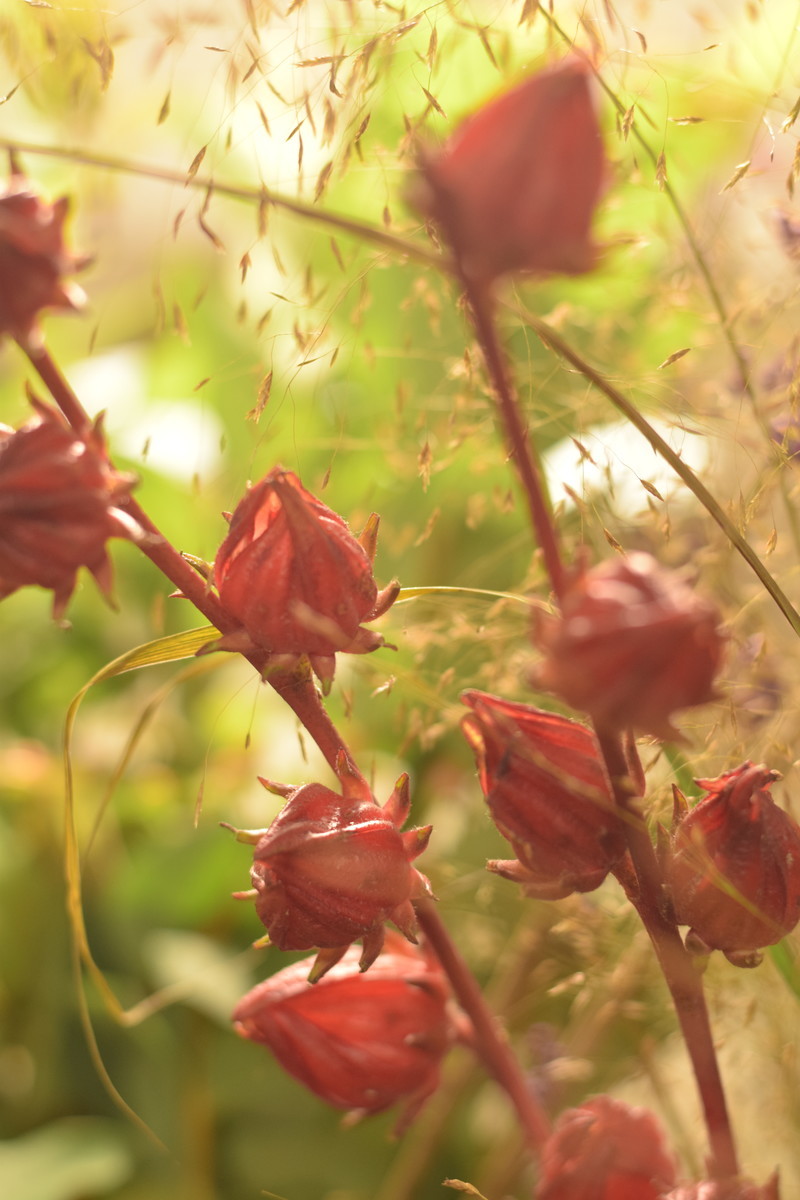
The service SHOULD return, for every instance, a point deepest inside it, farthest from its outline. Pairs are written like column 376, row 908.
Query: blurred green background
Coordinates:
column 378, row 403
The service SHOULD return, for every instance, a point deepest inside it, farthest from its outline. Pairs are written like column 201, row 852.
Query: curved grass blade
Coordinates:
column 164, row 650
column 695, row 485
column 411, row 593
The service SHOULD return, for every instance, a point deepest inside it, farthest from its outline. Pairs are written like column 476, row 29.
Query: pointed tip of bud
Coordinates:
column 324, row 961
column 371, row 947
column 276, row 789
column 250, row 837
column 680, row 805
column 397, row 807
column 200, row 565
column 368, row 538
column 416, row 840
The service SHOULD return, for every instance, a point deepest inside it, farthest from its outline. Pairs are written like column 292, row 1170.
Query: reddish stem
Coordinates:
column 154, row 545
column 519, row 442
column 647, row 894
column 297, row 688
column 682, row 977
column 491, row 1043
column 58, row 387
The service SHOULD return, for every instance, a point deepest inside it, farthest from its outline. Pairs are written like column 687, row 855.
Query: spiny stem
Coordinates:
column 491, row 1043
column 517, row 438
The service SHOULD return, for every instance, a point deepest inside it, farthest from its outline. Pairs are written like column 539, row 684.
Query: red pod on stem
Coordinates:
column 605, row 1150
column 633, row 644
column 734, row 866
column 515, row 187
column 33, row 260
column 332, row 868
column 58, row 506
column 297, row 579
column 359, row 1042
column 548, row 793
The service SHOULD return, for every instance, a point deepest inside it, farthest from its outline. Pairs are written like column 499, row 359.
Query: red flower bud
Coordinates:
column 548, row 793
column 515, row 187
column 632, row 645
column 359, row 1042
column 332, row 868
column 605, row 1150
column 726, row 1189
column 734, row 869
column 33, row 259
column 57, row 506
column 296, row 578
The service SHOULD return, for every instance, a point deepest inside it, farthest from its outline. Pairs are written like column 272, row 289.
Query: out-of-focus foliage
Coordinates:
column 226, row 335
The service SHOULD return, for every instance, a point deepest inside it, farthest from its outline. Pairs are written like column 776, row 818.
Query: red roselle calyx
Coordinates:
column 633, row 644
column 359, row 1042
column 58, row 506
column 33, row 260
column 332, row 868
column 605, row 1150
column 548, row 793
column 515, row 187
column 297, row 579
column 734, row 865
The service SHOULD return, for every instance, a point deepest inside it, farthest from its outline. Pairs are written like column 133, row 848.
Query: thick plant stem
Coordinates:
column 154, row 545
column 491, row 1044
column 296, row 687
column 517, row 438
column 682, row 977
column 645, row 889
column 58, row 387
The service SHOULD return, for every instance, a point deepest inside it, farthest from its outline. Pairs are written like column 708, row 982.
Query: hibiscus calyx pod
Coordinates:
column 359, row 1042
column 633, row 644
column 605, row 1149
column 295, row 577
column 548, row 793
column 33, row 260
column 734, row 866
column 515, row 186
column 60, row 501
column 332, row 868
